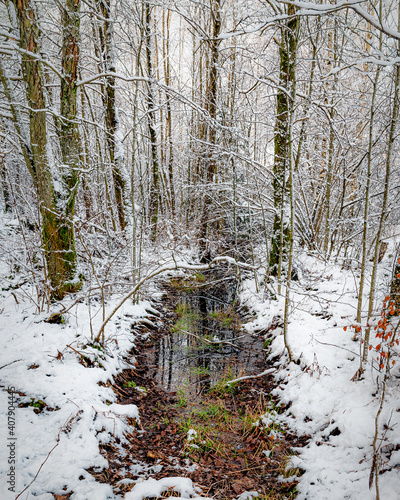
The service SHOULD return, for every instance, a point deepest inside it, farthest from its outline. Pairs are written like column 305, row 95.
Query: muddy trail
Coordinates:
column 226, row 438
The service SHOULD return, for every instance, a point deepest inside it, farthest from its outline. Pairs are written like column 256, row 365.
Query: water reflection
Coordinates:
column 205, row 345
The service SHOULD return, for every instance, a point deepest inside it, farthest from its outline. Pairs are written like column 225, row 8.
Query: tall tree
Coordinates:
column 113, row 124
column 166, row 20
column 154, row 205
column 208, row 219
column 69, row 133
column 285, row 100
column 57, row 223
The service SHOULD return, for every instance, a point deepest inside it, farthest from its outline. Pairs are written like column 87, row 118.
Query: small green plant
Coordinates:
column 222, row 388
column 182, row 401
column 37, row 404
column 182, row 309
column 186, row 425
column 200, row 370
column 225, row 318
column 267, row 343
column 131, row 383
column 97, row 346
column 200, row 277
column 186, row 322
column 200, row 439
column 215, row 414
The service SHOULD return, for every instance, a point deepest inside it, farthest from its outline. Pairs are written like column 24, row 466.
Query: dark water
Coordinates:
column 189, row 364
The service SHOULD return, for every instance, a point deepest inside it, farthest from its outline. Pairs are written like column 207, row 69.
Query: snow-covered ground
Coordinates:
column 42, row 364
column 55, row 406
column 338, row 413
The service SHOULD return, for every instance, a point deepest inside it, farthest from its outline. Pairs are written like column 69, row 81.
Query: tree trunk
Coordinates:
column 69, row 133
column 60, row 258
column 209, row 219
column 154, row 204
column 113, row 127
column 281, row 184
column 167, row 77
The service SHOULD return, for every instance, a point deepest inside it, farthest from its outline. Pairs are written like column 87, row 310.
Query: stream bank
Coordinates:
column 226, row 438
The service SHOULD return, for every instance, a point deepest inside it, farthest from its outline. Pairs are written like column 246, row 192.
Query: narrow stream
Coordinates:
column 199, row 344
column 206, row 344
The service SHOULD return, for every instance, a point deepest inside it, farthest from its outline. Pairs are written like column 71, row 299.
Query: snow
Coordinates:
column 39, row 363
column 152, row 488
column 51, row 448
column 54, row 447
column 337, row 413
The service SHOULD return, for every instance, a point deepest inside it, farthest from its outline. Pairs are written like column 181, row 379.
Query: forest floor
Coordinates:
column 86, row 421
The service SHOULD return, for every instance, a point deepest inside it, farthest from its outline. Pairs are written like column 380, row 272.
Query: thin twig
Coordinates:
column 211, row 342
column 48, row 455
column 77, row 352
column 8, row 364
column 247, row 377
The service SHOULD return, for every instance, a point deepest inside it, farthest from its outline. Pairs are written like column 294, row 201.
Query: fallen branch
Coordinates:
column 12, row 362
column 170, row 267
column 247, row 377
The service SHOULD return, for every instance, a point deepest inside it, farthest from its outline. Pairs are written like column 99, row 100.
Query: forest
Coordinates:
column 200, row 249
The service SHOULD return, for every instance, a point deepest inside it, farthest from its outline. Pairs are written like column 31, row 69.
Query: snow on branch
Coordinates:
column 311, row 8
column 115, row 75
column 305, row 9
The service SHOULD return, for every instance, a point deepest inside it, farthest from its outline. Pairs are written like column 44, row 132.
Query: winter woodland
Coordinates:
column 146, row 143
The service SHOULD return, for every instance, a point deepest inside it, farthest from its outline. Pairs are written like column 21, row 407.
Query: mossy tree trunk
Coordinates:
column 281, row 183
column 60, row 260
column 69, row 133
